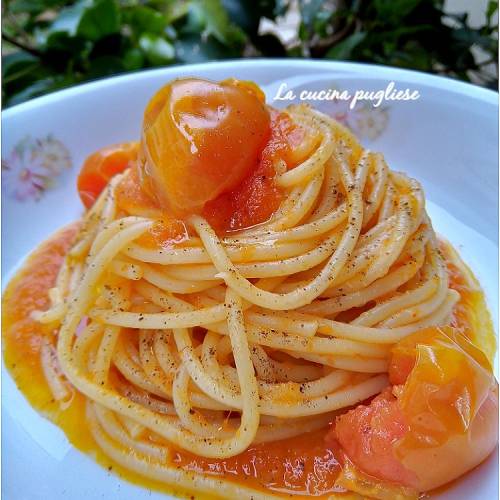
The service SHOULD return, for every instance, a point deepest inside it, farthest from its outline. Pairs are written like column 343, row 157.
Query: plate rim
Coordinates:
column 470, row 90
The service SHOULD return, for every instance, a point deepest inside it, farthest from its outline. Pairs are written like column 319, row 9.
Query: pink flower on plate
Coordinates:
column 33, row 166
column 337, row 109
column 20, row 184
column 52, row 155
column 368, row 122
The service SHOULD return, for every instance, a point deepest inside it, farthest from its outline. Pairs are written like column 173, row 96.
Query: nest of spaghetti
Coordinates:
column 212, row 343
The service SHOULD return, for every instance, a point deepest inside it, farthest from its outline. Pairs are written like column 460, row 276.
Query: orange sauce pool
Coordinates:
column 470, row 315
column 302, row 466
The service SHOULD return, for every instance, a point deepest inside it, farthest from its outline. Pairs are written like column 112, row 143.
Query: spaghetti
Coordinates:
column 219, row 340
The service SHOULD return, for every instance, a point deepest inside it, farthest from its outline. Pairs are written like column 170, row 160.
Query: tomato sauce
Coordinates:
column 304, row 465
column 22, row 336
column 256, row 199
column 470, row 315
column 27, row 292
column 22, row 339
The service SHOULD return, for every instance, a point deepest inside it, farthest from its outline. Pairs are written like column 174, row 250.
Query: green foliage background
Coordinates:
column 52, row 44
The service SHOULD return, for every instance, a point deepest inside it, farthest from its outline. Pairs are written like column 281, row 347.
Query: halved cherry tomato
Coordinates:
column 201, row 139
column 257, row 197
column 368, row 435
column 101, row 166
column 440, row 421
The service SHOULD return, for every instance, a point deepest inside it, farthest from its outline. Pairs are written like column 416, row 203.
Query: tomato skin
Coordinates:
column 401, row 366
column 101, row 166
column 444, row 412
column 131, row 198
column 201, row 139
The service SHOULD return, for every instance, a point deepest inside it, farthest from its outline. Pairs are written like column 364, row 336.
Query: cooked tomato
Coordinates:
column 201, row 139
column 290, row 141
column 257, row 197
column 208, row 148
column 131, row 198
column 101, row 166
column 164, row 233
column 368, row 434
column 445, row 413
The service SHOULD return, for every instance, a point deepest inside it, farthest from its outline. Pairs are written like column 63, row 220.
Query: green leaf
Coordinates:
column 82, row 39
column 243, row 13
column 308, row 11
column 467, row 38
column 20, row 70
column 195, row 19
column 145, row 19
column 176, row 11
column 343, row 49
column 156, row 49
column 33, row 7
column 192, row 49
column 209, row 18
column 100, row 19
column 133, row 59
column 105, row 66
column 323, row 22
column 491, row 9
column 394, row 10
column 16, row 64
column 69, row 18
column 61, row 41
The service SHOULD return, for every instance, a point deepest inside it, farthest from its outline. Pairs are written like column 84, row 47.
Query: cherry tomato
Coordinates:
column 201, row 139
column 442, row 411
column 101, row 166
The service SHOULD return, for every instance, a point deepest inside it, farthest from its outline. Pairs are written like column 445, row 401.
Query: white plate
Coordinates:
column 447, row 139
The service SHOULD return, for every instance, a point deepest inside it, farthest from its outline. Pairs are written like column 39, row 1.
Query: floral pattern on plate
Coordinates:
column 33, row 167
column 365, row 120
